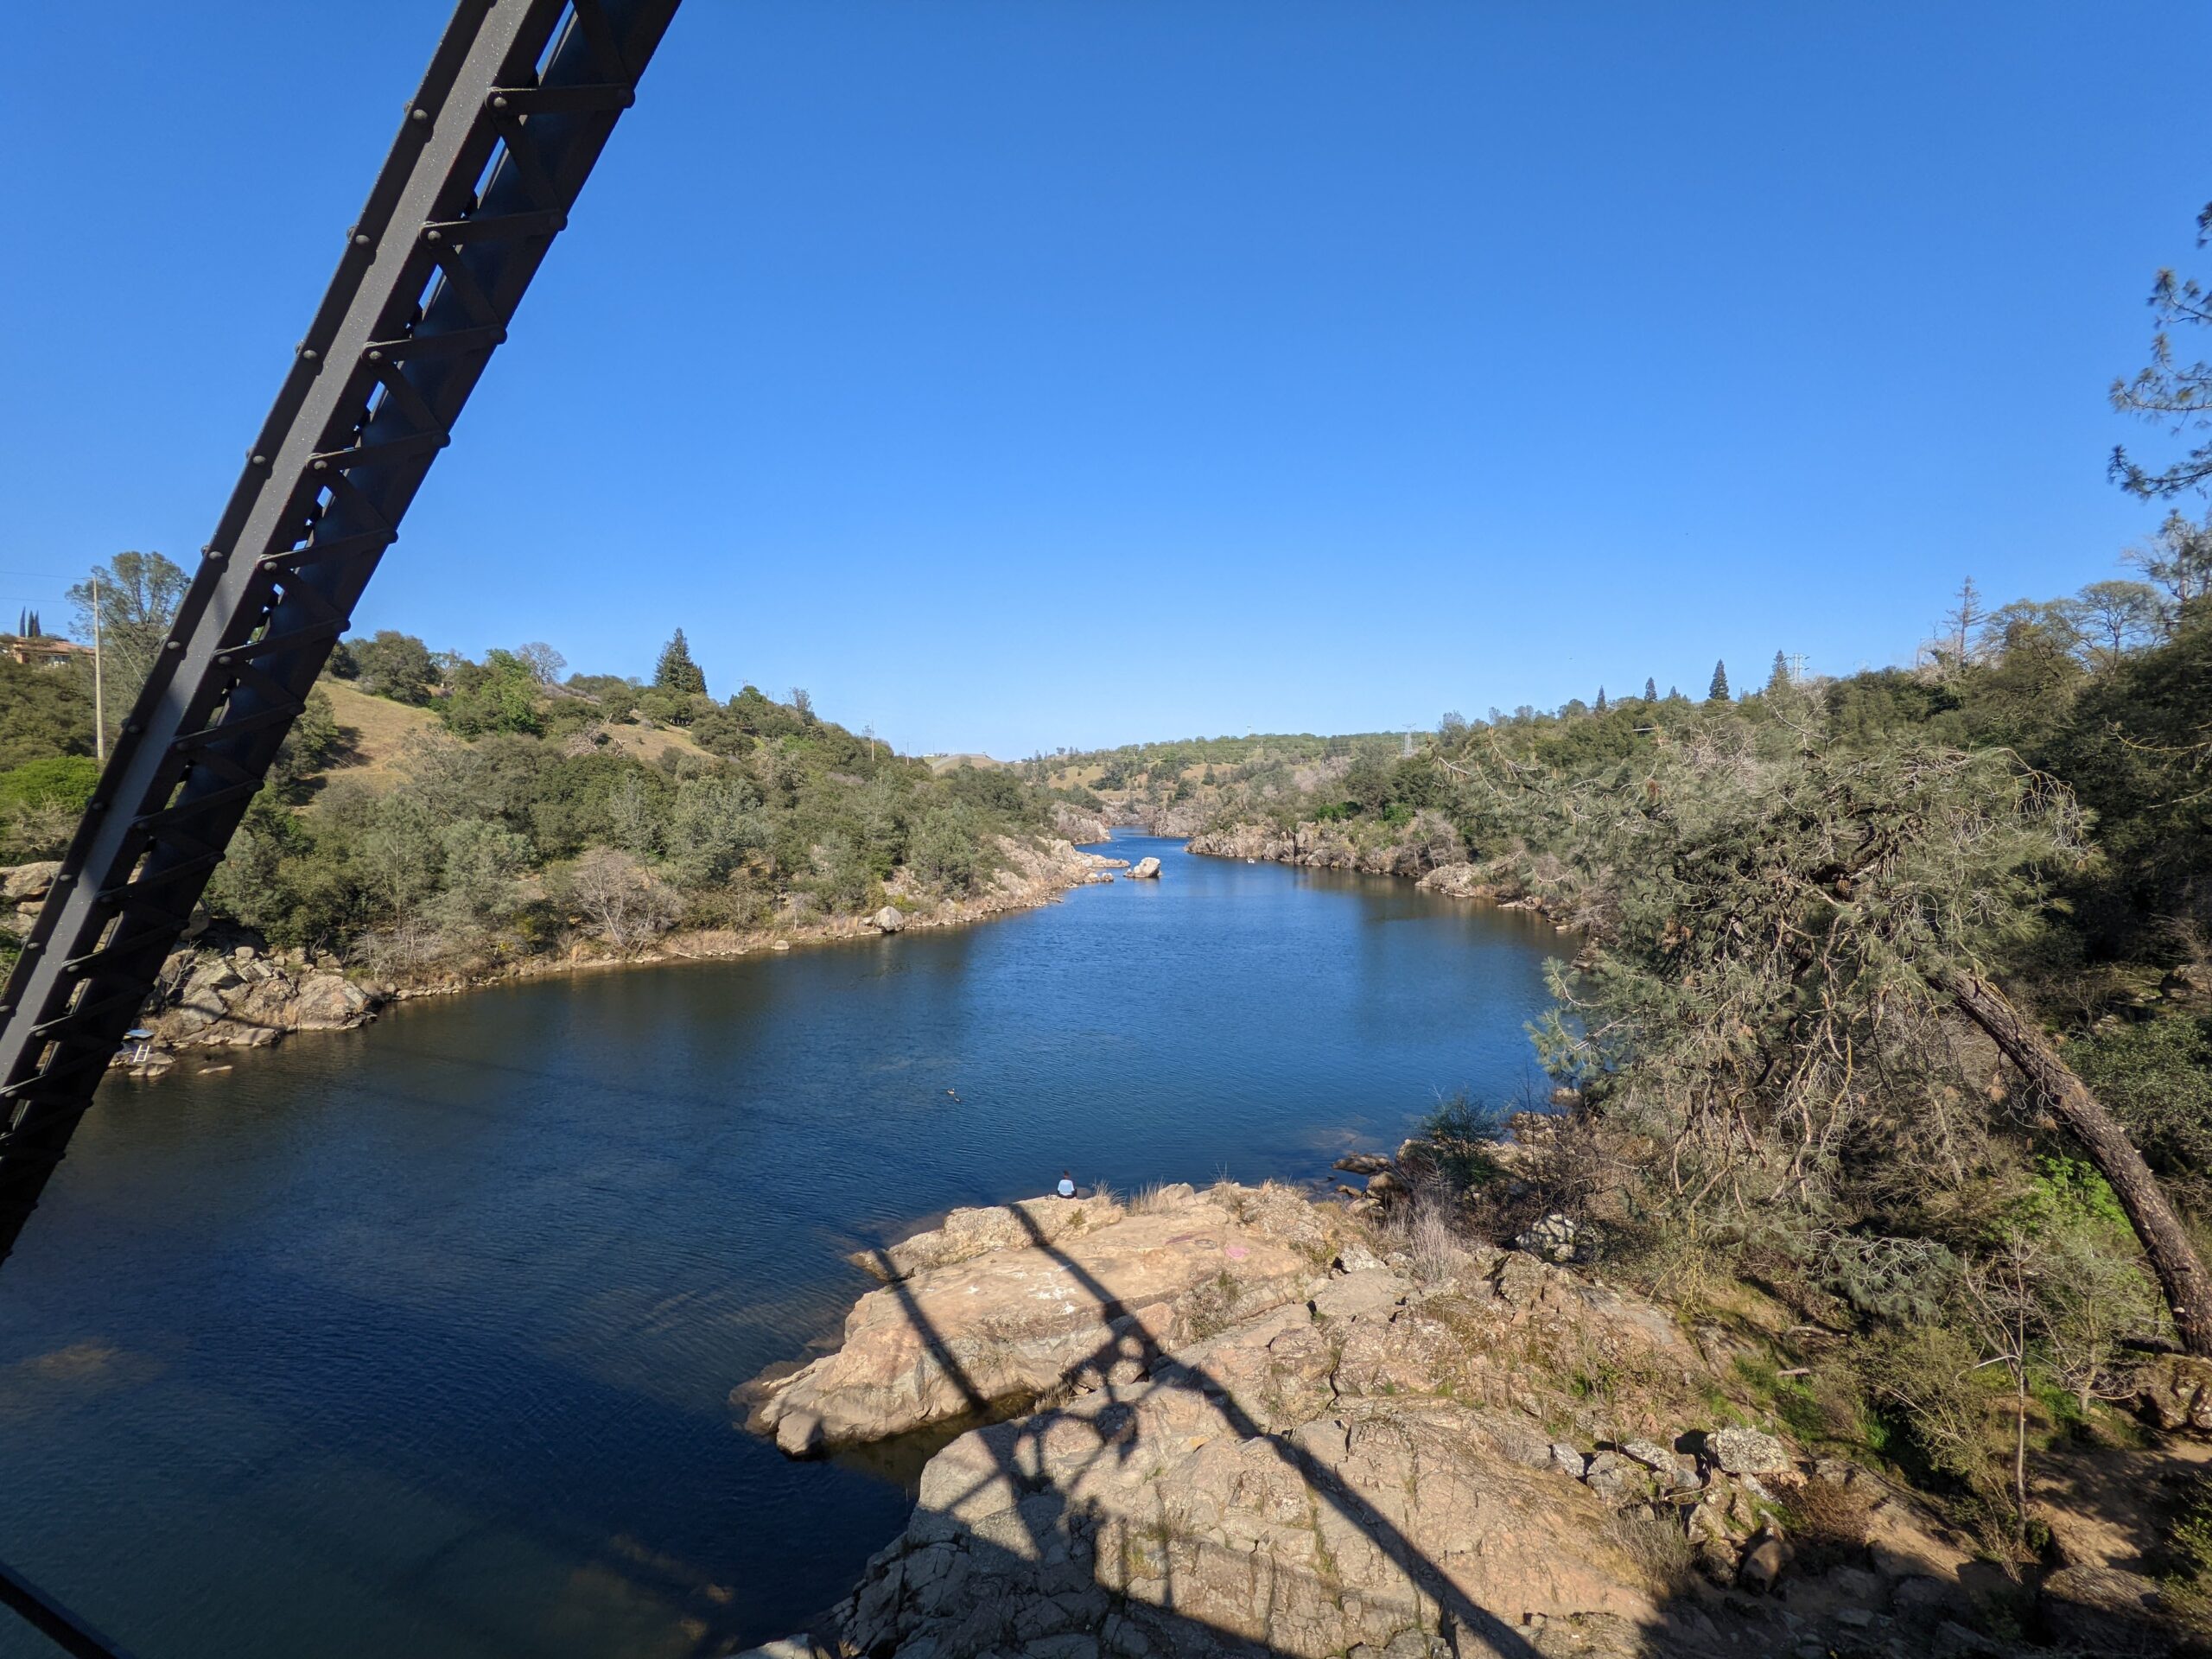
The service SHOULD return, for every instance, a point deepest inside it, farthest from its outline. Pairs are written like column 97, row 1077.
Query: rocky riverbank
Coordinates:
column 1426, row 850
column 225, row 989
column 1243, row 1420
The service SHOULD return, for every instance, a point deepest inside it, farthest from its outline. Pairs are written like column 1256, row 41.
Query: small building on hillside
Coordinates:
column 34, row 647
column 40, row 649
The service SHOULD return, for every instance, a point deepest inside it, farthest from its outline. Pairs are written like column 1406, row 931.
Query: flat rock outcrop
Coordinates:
column 1250, row 1431
column 1024, row 1301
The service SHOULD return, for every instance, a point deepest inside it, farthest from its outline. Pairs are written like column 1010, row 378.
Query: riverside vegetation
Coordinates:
column 1866, row 1223
column 1847, row 1295
column 1844, row 1298
column 1895, row 1007
column 434, row 820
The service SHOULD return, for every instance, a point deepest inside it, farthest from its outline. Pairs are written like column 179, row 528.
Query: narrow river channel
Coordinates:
column 418, row 1340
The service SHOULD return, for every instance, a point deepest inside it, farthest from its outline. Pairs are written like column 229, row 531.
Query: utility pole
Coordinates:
column 99, row 689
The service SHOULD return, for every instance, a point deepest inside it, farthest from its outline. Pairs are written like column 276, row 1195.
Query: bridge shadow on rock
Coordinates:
column 1222, row 1501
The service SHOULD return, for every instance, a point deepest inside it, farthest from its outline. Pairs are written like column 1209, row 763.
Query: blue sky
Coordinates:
column 1012, row 373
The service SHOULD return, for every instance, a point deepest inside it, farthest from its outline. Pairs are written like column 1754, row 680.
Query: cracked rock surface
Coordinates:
column 1248, row 1432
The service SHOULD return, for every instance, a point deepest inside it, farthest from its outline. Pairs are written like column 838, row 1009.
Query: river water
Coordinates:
column 418, row 1340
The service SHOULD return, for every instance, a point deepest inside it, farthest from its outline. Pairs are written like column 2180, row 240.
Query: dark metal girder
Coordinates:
column 521, row 95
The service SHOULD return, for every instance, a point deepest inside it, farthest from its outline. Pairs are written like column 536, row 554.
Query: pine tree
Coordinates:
column 1963, row 621
column 1779, row 679
column 677, row 672
column 1717, row 691
column 1650, row 690
column 1601, row 699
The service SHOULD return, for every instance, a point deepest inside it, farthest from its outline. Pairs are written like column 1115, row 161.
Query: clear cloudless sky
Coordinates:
column 1018, row 373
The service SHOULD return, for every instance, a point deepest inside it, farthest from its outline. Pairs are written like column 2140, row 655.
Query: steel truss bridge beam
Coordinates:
column 520, row 99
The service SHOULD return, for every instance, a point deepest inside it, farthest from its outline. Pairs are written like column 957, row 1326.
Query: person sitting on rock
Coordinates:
column 1066, row 1188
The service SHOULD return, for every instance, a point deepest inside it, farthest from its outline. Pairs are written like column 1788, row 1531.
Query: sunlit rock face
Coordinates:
column 1250, row 1424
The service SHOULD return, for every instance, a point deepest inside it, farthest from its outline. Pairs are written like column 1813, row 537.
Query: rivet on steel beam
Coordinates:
column 173, row 645
column 376, row 356
column 223, row 658
column 214, row 555
column 418, row 115
column 257, row 461
column 307, row 353
column 322, row 466
column 133, row 727
column 433, row 236
column 498, row 100
column 271, row 566
column 360, row 239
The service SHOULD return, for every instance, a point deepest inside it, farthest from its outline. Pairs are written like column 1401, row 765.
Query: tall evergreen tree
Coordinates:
column 1778, row 680
column 1650, row 690
column 1601, row 699
column 1717, row 691
column 677, row 672
column 2173, row 394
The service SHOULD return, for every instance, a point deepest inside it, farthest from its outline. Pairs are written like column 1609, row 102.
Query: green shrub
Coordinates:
column 2155, row 1076
column 500, row 694
column 63, row 781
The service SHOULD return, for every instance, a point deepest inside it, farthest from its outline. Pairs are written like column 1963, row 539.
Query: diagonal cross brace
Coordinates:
column 518, row 101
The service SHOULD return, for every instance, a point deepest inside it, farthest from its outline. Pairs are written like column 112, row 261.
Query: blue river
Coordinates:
column 418, row 1340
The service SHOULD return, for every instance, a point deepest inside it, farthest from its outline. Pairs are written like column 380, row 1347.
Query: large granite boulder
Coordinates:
column 1367, row 1464
column 243, row 1000
column 1021, row 1303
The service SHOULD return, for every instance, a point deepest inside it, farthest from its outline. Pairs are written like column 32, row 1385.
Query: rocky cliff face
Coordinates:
column 1078, row 826
column 1244, row 1430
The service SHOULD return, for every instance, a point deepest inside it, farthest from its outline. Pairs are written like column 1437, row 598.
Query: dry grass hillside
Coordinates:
column 377, row 732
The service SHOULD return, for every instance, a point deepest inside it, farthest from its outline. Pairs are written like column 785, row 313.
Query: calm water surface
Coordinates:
column 418, row 1340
